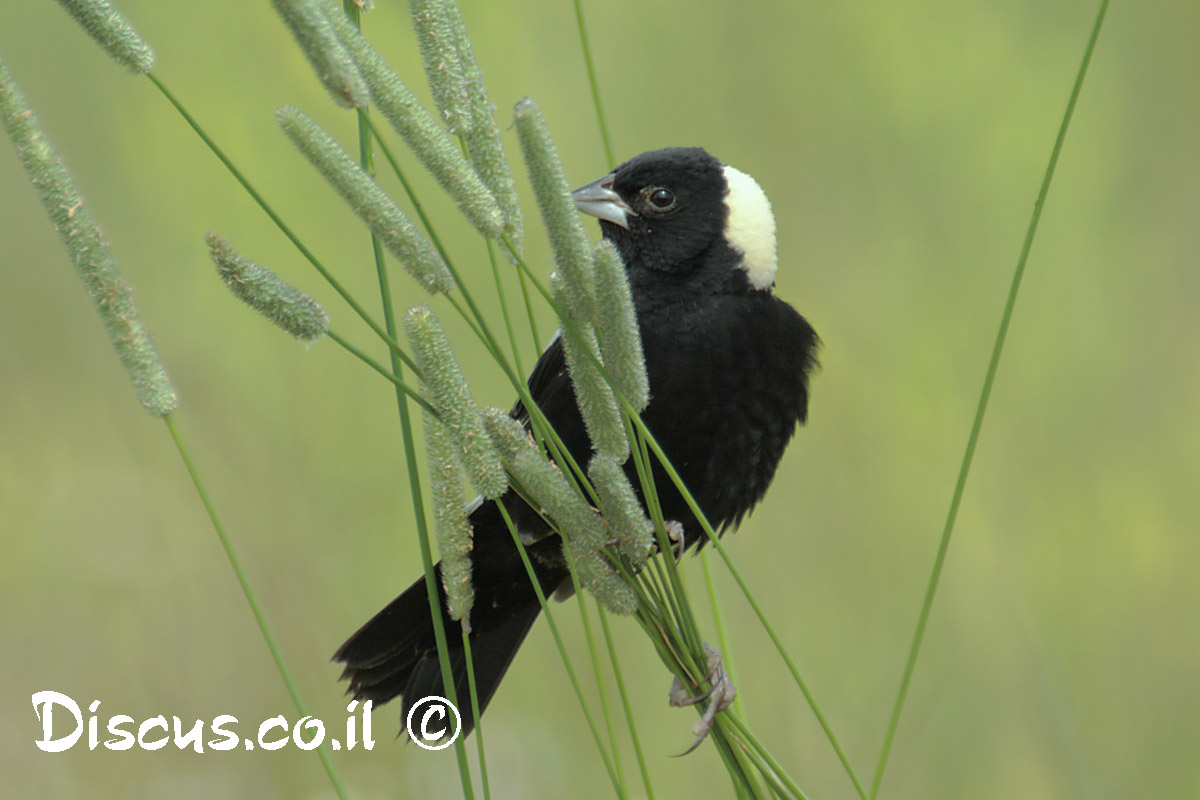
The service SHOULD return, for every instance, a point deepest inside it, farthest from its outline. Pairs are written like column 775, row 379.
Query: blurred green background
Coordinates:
column 902, row 145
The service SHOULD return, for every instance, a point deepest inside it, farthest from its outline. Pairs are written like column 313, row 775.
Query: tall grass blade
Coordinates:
column 981, row 408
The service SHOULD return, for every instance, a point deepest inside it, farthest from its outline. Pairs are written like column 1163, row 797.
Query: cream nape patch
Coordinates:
column 751, row 227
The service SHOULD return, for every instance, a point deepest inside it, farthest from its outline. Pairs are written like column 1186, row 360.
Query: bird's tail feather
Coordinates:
column 395, row 653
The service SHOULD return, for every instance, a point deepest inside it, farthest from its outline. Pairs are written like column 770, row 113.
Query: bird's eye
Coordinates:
column 662, row 199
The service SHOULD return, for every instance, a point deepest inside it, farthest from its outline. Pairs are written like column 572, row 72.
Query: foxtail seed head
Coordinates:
column 313, row 31
column 567, row 236
column 264, row 291
column 450, row 395
column 400, row 107
column 113, row 33
column 373, row 206
column 85, row 246
column 617, row 327
column 453, row 530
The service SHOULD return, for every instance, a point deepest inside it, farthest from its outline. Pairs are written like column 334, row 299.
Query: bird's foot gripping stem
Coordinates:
column 720, row 695
column 675, row 534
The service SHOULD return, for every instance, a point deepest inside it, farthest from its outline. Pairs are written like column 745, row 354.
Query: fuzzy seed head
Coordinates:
column 617, row 327
column 373, row 206
column 313, row 31
column 454, row 533
column 443, row 65
column 85, row 246
column 482, row 137
column 264, row 291
column 567, row 236
column 559, row 500
column 621, row 509
column 113, row 33
column 420, row 131
column 450, row 395
column 597, row 404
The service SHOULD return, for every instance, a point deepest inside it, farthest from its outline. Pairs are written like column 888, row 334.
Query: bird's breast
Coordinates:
column 728, row 383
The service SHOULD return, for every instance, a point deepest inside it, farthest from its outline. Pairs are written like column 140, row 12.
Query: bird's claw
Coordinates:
column 675, row 534
column 720, row 694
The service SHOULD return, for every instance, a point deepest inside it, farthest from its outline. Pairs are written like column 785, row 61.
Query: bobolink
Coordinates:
column 728, row 366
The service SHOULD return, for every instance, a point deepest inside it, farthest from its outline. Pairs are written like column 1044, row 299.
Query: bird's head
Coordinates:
column 680, row 210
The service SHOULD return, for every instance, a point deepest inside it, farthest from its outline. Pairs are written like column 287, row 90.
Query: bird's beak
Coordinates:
column 598, row 199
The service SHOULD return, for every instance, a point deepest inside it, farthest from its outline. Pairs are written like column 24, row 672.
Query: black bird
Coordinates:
column 728, row 366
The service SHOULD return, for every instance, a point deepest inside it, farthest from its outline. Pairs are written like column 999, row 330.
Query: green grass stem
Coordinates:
column 366, row 134
column 602, row 692
column 477, row 715
column 244, row 182
column 562, row 650
column 375, row 365
column 981, row 408
column 414, row 485
column 252, row 600
column 628, row 708
column 601, row 121
column 385, row 294
column 714, row 602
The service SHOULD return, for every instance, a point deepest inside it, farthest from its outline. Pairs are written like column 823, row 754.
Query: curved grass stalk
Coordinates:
column 714, row 602
column 981, row 407
column 460, row 752
column 252, row 599
column 333, row 282
column 562, row 649
column 601, row 121
column 633, row 734
column 478, row 325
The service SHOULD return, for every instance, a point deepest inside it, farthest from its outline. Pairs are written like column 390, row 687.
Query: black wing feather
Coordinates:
column 547, row 381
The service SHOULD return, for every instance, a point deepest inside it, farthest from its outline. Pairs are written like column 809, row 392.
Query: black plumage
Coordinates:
column 728, row 366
